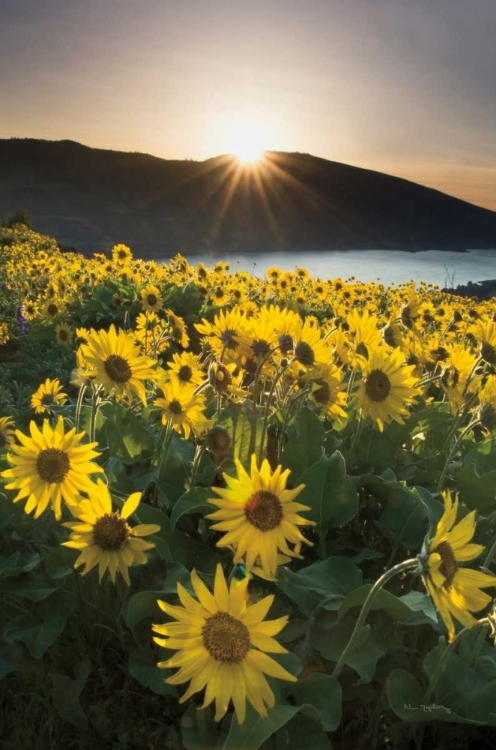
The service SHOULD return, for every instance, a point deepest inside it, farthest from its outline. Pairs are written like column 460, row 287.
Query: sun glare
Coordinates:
column 247, row 140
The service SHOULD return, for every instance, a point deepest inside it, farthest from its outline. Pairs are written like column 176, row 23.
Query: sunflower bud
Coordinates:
column 218, row 441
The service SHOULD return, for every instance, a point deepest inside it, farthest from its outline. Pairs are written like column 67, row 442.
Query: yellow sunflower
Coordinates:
column 387, row 386
column 7, row 425
column 179, row 330
column 227, row 335
column 456, row 373
column 113, row 361
column 63, row 334
column 105, row 536
column 222, row 645
column 327, row 390
column 47, row 395
column 310, row 349
column 50, row 466
column 183, row 408
column 455, row 591
column 186, row 369
column 151, row 299
column 258, row 513
column 121, row 254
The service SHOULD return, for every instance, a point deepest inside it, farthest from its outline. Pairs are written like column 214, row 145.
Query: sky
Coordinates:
column 406, row 87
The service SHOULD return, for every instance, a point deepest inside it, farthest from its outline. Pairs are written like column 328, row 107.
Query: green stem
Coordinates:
column 79, row 404
column 354, row 441
column 95, row 403
column 445, row 656
column 276, row 379
column 490, row 556
column 400, row 568
column 453, row 451
column 200, row 450
column 478, row 645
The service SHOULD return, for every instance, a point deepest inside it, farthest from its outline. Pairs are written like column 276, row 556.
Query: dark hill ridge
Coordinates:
column 92, row 199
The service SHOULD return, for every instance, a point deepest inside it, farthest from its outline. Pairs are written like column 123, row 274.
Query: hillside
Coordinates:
column 92, row 198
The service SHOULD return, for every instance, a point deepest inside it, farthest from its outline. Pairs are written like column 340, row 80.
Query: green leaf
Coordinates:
column 478, row 492
column 198, row 729
column 144, row 604
column 59, row 563
column 307, row 449
column 125, row 434
column 332, row 578
column 66, row 692
column 405, row 696
column 193, row 501
column 255, row 729
column 329, row 492
column 301, row 732
column 364, row 655
column 395, row 608
column 15, row 564
column 34, row 585
column 324, row 693
column 142, row 666
column 15, row 658
column 38, row 633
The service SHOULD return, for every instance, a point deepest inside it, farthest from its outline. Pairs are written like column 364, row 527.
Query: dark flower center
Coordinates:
column 219, row 377
column 48, row 399
column 450, row 377
column 151, row 299
column 263, row 510
column 226, row 638
column 488, row 353
column 304, row 353
column 285, row 343
column 448, row 565
column 362, row 349
column 52, row 309
column 175, row 407
column 111, row 532
column 63, row 334
column 52, row 465
column 377, row 386
column 117, row 368
column 322, row 394
column 185, row 373
column 228, row 340
column 260, row 348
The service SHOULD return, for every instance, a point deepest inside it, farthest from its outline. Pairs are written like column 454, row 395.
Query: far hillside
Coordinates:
column 91, row 199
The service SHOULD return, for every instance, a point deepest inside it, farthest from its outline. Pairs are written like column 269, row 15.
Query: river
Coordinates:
column 446, row 268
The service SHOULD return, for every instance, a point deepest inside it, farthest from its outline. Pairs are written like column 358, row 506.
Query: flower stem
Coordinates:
column 490, row 556
column 79, row 404
column 453, row 451
column 400, row 568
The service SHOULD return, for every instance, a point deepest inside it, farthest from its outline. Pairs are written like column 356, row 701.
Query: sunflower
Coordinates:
column 179, row 330
column 114, row 362
column 105, row 537
column 121, row 254
column 7, row 425
column 186, row 369
column 310, row 349
column 47, row 395
column 455, row 591
column 50, row 466
column 222, row 644
column 456, row 373
column 258, row 513
column 4, row 333
column 487, row 404
column 485, row 334
column 151, row 299
column 183, row 408
column 227, row 335
column 387, row 386
column 63, row 334
column 327, row 391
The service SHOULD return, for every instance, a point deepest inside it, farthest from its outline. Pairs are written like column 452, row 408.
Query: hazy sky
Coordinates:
column 407, row 87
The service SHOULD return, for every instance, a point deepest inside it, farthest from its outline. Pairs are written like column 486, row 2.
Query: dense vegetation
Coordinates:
column 317, row 453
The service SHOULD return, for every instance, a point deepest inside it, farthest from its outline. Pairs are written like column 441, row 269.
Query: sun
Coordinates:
column 246, row 139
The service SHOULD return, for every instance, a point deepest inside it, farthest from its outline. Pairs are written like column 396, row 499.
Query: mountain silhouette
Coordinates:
column 91, row 199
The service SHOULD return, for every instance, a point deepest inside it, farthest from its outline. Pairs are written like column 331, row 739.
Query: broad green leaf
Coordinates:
column 193, row 501
column 255, row 729
column 18, row 563
column 395, row 608
column 364, row 655
column 60, row 562
column 35, row 585
column 325, row 583
column 40, row 631
column 307, row 448
column 478, row 492
column 66, row 692
column 144, row 604
column 324, row 693
column 198, row 729
column 329, row 492
column 405, row 696
column 302, row 732
column 16, row 658
column 142, row 666
column 126, row 435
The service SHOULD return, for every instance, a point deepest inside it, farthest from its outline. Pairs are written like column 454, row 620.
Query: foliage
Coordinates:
column 292, row 389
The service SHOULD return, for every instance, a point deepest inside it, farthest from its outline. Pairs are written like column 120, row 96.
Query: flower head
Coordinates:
column 47, row 395
column 105, row 537
column 222, row 644
column 50, row 467
column 113, row 361
column 7, row 426
column 258, row 513
column 183, row 408
column 455, row 591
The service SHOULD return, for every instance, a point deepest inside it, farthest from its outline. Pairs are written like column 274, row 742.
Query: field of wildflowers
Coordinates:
column 241, row 513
